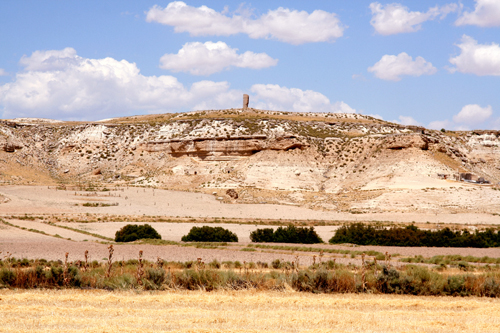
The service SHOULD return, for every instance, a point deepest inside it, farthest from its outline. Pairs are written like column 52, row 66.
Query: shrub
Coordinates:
column 132, row 232
column 265, row 235
column 155, row 276
column 209, row 234
column 7, row 277
column 276, row 264
column 361, row 234
column 290, row 234
column 388, row 281
column 215, row 264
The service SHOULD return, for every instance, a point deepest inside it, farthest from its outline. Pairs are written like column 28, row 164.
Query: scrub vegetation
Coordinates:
column 362, row 234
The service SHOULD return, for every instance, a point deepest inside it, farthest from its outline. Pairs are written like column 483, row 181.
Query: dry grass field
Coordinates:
column 241, row 311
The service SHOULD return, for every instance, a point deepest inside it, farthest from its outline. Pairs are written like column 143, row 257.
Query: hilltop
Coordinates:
column 327, row 161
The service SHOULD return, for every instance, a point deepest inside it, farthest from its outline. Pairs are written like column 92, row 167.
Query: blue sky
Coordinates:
column 432, row 63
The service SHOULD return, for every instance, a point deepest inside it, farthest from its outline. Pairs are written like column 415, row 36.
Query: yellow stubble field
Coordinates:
column 241, row 311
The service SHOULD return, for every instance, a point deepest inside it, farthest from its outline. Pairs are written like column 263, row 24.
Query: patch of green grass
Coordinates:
column 151, row 241
column 316, row 249
column 80, row 231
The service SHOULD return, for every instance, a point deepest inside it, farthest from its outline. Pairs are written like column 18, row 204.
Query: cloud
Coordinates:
column 495, row 124
column 486, row 14
column 392, row 67
column 473, row 114
column 3, row 72
column 470, row 115
column 407, row 120
column 49, row 60
column 358, row 77
column 289, row 26
column 275, row 97
column 61, row 84
column 208, row 58
column 479, row 59
column 396, row 18
column 376, row 115
column 439, row 124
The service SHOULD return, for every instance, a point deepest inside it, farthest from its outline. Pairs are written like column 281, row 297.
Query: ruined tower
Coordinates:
column 246, row 100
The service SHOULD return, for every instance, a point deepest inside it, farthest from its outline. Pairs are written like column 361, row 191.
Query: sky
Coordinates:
column 429, row 63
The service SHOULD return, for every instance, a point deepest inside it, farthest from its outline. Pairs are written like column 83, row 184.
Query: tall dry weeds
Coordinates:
column 110, row 260
column 363, row 276
column 140, row 269
column 66, row 273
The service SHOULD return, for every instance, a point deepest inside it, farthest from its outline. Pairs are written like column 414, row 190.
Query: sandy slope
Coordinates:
column 154, row 202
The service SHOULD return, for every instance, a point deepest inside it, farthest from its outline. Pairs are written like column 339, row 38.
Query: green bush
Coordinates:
column 276, row 264
column 265, row 235
column 7, row 277
column 361, row 234
column 155, row 276
column 290, row 234
column 209, row 234
column 132, row 232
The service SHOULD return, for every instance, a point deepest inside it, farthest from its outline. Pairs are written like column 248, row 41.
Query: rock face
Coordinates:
column 223, row 148
column 245, row 148
column 10, row 144
column 403, row 141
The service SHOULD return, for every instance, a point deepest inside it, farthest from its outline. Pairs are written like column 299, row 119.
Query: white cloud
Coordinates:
column 208, row 58
column 439, row 124
column 470, row 115
column 396, row 18
column 61, row 84
column 473, row 114
column 392, row 67
column 342, row 107
column 358, row 77
column 486, row 14
column 377, row 116
column 289, row 26
column 495, row 124
column 479, row 59
column 49, row 60
column 407, row 120
column 3, row 72
column 275, row 97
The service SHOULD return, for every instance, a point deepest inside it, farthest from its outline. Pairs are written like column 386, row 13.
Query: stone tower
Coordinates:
column 246, row 100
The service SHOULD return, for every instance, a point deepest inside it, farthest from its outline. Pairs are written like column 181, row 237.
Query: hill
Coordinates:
column 338, row 162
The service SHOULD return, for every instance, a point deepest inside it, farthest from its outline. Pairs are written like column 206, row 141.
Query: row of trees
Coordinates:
column 363, row 234
column 358, row 233
column 290, row 234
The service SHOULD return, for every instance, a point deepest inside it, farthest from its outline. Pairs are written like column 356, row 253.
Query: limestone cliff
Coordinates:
column 243, row 148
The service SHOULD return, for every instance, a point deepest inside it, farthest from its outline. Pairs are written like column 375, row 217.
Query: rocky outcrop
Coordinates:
column 332, row 150
column 232, row 193
column 403, row 141
column 10, row 144
column 484, row 139
column 219, row 148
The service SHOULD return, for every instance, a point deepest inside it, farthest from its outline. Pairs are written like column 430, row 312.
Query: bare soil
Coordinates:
column 32, row 245
column 44, row 200
column 55, row 241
